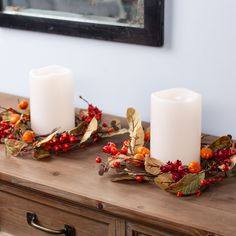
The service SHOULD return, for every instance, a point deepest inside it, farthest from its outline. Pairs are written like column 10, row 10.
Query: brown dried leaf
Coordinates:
column 135, row 129
column 14, row 147
column 152, row 165
column 148, row 129
column 119, row 159
column 119, row 132
column 78, row 129
column 188, row 185
column 164, row 180
column 21, row 126
column 93, row 126
column 233, row 163
column 83, row 112
column 45, row 140
column 115, row 124
column 122, row 178
column 220, row 143
column 40, row 154
column 6, row 115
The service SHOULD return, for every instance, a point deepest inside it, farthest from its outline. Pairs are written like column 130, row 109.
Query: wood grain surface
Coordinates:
column 73, row 177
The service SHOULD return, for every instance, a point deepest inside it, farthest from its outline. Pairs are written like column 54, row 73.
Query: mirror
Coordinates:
column 134, row 21
column 111, row 12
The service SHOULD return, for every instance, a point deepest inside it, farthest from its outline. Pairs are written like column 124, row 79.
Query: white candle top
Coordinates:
column 52, row 71
column 176, row 95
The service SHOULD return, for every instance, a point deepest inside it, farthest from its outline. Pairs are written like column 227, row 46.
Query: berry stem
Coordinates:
column 84, row 100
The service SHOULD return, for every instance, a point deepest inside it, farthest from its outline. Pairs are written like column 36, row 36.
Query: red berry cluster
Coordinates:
column 212, row 180
column 111, row 148
column 225, row 153
column 62, row 142
column 6, row 130
column 177, row 170
column 222, row 157
column 93, row 111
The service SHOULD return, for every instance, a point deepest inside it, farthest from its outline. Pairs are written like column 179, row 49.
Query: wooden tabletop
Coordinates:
column 74, row 176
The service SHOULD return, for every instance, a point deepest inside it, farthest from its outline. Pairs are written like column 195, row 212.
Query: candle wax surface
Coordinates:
column 51, row 99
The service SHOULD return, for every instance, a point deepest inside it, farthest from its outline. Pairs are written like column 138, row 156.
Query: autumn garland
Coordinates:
column 133, row 162
column 19, row 139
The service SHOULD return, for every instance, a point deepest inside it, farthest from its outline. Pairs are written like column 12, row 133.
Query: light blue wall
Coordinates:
column 199, row 53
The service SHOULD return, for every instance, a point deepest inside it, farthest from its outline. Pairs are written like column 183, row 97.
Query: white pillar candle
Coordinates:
column 51, row 99
column 176, row 125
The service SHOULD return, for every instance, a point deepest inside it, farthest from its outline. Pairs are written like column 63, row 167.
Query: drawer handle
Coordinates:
column 33, row 221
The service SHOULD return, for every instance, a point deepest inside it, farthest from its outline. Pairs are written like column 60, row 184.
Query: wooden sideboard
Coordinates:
column 66, row 190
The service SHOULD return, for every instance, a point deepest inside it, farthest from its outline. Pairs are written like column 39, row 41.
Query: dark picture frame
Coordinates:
column 151, row 34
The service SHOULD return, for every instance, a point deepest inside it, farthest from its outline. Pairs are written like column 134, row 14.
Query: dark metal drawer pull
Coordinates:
column 33, row 221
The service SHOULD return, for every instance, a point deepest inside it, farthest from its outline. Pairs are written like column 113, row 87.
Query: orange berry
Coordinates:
column 139, row 156
column 143, row 150
column 206, row 153
column 14, row 118
column 23, row 104
column 110, row 130
column 28, row 136
column 194, row 167
column 126, row 142
column 147, row 136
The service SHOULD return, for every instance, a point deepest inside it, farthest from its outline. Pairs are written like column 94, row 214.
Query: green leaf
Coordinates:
column 14, row 147
column 40, row 153
column 135, row 129
column 115, row 133
column 220, row 143
column 188, row 185
column 152, row 165
column 93, row 126
column 164, row 180
column 45, row 140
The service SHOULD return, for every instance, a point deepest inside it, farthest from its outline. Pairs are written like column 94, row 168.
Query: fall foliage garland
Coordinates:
column 133, row 162
column 19, row 139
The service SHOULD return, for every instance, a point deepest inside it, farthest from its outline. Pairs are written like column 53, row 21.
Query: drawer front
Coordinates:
column 13, row 210
column 133, row 229
column 139, row 230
